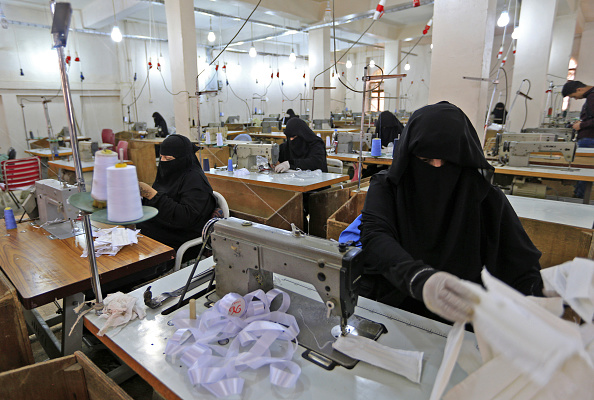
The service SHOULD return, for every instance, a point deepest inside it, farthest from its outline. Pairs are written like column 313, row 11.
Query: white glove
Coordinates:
column 446, row 296
column 282, row 167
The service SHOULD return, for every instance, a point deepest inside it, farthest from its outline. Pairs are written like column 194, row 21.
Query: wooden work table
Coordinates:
column 280, row 181
column 549, row 172
column 47, row 153
column 44, row 269
column 367, row 158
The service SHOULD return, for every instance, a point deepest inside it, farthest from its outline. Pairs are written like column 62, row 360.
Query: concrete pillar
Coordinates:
column 533, row 48
column 462, row 43
column 392, row 86
column 561, row 45
column 181, row 34
column 319, row 60
column 585, row 64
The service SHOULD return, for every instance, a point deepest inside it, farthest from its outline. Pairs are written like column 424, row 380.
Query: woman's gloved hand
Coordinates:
column 282, row 167
column 445, row 295
column 146, row 190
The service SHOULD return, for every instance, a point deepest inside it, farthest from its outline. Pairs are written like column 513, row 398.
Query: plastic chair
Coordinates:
column 107, row 136
column 122, row 144
column 334, row 166
column 222, row 204
column 244, row 136
column 19, row 174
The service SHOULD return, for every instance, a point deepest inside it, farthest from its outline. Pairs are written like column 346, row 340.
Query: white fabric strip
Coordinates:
column 402, row 362
column 258, row 337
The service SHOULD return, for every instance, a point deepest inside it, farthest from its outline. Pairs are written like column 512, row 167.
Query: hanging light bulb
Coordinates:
column 372, row 63
column 211, row 34
column 406, row 66
column 431, row 46
column 116, row 34
column 503, row 19
column 516, row 33
column 349, row 64
column 253, row 51
column 292, row 56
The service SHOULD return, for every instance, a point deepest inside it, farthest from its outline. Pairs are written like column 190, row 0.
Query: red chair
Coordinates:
column 108, row 137
column 122, row 144
column 19, row 174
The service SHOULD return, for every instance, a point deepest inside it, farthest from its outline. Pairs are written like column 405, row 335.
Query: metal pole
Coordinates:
column 360, row 167
column 59, row 46
column 25, row 124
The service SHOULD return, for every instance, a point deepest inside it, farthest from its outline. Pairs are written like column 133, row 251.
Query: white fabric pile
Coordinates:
column 110, row 241
column 119, row 308
column 528, row 352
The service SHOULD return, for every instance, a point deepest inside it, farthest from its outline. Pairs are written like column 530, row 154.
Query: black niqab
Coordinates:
column 160, row 123
column 388, row 128
column 170, row 174
column 419, row 219
column 305, row 150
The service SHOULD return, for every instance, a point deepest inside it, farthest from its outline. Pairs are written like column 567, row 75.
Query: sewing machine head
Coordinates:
column 521, row 137
column 247, row 154
column 349, row 142
column 247, row 254
column 517, row 154
column 52, row 200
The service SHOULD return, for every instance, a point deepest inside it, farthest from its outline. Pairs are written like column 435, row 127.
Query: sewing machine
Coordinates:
column 349, row 141
column 517, row 154
column 211, row 133
column 561, row 133
column 247, row 254
column 55, row 212
column 247, row 154
column 521, row 137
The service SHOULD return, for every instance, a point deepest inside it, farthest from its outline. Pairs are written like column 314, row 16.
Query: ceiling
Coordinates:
column 283, row 23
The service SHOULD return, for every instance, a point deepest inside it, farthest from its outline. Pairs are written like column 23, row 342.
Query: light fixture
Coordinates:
column 503, row 19
column 328, row 13
column 211, row 35
column 292, row 56
column 406, row 66
column 516, row 33
column 349, row 64
column 372, row 63
column 253, row 51
column 431, row 46
column 116, row 34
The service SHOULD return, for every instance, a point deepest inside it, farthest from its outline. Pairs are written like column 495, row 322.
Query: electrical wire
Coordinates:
column 526, row 103
column 246, row 103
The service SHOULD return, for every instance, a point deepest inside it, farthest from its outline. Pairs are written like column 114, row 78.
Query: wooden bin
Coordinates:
column 143, row 157
column 70, row 377
column 346, row 214
column 15, row 348
column 324, row 203
column 264, row 205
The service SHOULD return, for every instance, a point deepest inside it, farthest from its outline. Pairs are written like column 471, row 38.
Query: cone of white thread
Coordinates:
column 123, row 194
column 219, row 139
column 103, row 160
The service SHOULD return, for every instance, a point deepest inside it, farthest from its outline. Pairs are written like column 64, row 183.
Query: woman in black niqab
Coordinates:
column 388, row 128
column 303, row 149
column 160, row 123
column 184, row 197
column 419, row 219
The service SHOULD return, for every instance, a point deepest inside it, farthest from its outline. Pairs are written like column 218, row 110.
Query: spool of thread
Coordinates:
column 206, row 165
column 376, row 147
column 207, row 137
column 9, row 220
column 103, row 160
column 230, row 165
column 123, row 194
column 219, row 139
column 318, row 134
column 327, row 141
column 394, row 149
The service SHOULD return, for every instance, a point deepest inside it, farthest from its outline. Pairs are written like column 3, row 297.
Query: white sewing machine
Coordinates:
column 247, row 154
column 54, row 210
column 247, row 255
column 349, row 141
column 517, row 154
